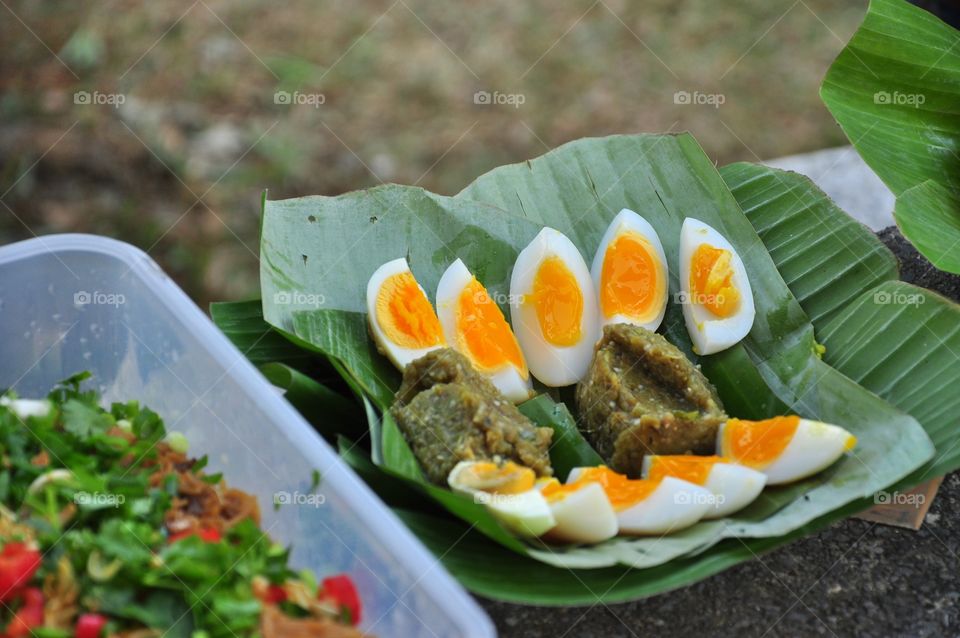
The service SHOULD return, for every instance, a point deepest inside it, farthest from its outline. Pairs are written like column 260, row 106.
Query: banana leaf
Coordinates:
column 919, row 333
column 857, row 342
column 242, row 322
column 330, row 412
column 895, row 91
column 825, row 257
column 578, row 189
column 897, row 340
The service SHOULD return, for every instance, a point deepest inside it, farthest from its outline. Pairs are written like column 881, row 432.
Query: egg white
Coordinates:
column 733, row 487
column 583, row 516
column 398, row 355
column 708, row 332
column 509, row 380
column 672, row 506
column 553, row 365
column 628, row 221
column 525, row 513
column 815, row 446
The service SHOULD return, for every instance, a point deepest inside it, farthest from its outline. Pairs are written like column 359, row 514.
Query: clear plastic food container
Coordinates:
column 78, row 302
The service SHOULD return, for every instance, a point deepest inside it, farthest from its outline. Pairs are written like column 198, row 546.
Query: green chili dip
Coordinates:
column 643, row 396
column 449, row 413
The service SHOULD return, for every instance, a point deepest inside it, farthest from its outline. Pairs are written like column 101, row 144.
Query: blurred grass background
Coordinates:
column 177, row 168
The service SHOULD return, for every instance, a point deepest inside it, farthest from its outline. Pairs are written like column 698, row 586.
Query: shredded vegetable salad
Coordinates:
column 109, row 528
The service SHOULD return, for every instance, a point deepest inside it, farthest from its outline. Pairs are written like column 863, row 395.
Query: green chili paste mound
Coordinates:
column 643, row 396
column 449, row 413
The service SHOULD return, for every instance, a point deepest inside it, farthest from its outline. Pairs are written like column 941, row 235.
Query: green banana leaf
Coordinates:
column 855, row 343
column 331, row 413
column 578, row 189
column 493, row 572
column 920, row 373
column 871, row 309
column 826, row 258
column 242, row 322
column 895, row 90
column 929, row 215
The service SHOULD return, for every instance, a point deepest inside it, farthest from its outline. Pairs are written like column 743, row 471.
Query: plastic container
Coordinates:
column 70, row 303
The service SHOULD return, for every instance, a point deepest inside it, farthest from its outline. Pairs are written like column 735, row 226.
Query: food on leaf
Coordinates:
column 648, row 506
column 475, row 326
column 733, row 486
column 401, row 319
column 785, row 448
column 508, row 491
column 717, row 299
column 643, row 396
column 582, row 511
column 448, row 412
column 554, row 309
column 630, row 273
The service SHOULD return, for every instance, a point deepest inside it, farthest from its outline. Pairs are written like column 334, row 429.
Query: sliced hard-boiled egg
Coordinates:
column 402, row 321
column 554, row 309
column 785, row 448
column 476, row 327
column 582, row 511
column 715, row 292
column 733, row 486
column 630, row 273
column 647, row 506
column 509, row 493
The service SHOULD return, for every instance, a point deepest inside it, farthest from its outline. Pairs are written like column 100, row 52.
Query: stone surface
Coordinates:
column 854, row 579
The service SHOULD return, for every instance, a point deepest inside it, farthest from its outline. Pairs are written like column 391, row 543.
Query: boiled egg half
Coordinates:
column 715, row 292
column 402, row 321
column 785, row 448
column 733, row 486
column 554, row 309
column 630, row 273
column 475, row 326
column 648, row 506
column 582, row 511
column 508, row 492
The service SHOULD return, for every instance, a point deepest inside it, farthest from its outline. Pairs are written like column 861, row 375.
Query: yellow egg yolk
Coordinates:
column 483, row 332
column 622, row 491
column 558, row 302
column 758, row 443
column 695, row 469
column 554, row 490
column 405, row 315
column 711, row 280
column 631, row 281
column 509, row 478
